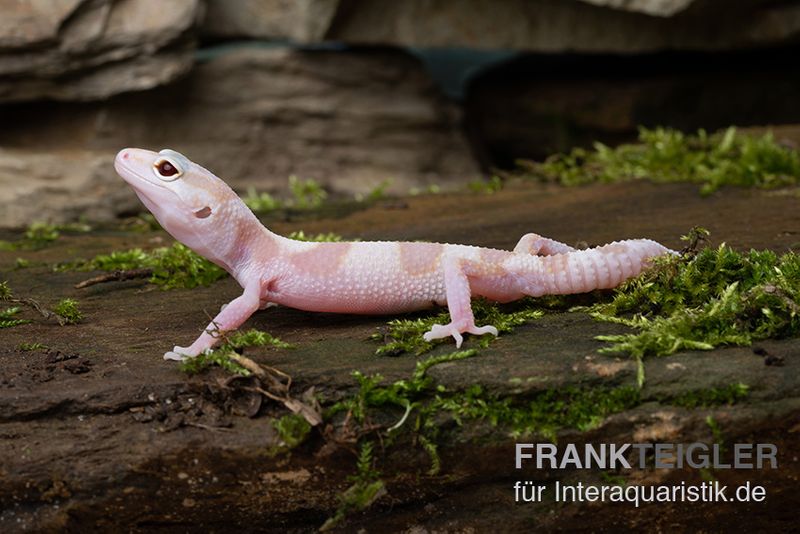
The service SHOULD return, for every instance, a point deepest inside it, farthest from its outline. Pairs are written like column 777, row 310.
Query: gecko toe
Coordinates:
column 438, row 331
column 481, row 330
column 173, row 356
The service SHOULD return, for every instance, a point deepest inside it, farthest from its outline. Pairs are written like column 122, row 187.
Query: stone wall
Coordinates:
column 254, row 116
column 343, row 104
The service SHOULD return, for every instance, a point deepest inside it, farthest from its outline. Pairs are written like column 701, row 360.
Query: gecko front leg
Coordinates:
column 456, row 283
column 230, row 317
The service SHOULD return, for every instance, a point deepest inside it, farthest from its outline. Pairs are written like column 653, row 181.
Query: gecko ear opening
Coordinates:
column 203, row 213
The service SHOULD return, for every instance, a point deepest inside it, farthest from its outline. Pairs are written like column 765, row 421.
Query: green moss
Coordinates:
column 493, row 185
column 305, row 195
column 609, row 478
column 544, row 414
column 431, row 189
column 219, row 357
column 701, row 301
column 366, row 489
column 716, row 431
column 28, row 347
column 729, row 395
column 667, row 155
column 40, row 234
column 376, row 194
column 232, row 342
column 262, row 203
column 5, row 291
column 176, row 266
column 179, row 266
column 253, row 338
column 7, row 319
column 330, row 237
column 292, row 429
column 37, row 235
column 405, row 335
column 7, row 316
column 68, row 311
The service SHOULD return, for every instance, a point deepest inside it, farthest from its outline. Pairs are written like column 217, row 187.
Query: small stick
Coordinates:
column 115, row 276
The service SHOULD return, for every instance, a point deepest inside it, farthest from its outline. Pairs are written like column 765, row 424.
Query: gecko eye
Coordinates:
column 167, row 170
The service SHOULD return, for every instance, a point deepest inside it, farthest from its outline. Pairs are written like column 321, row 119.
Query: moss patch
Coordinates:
column 292, row 429
column 698, row 302
column 704, row 398
column 176, row 266
column 40, row 234
column 68, row 310
column 667, row 155
column 330, row 237
column 405, row 335
column 366, row 489
column 305, row 195
column 232, row 342
column 8, row 319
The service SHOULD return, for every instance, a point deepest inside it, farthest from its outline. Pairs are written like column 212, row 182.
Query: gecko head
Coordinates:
column 182, row 195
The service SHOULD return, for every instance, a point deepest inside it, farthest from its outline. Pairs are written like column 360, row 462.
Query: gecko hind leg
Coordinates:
column 536, row 245
column 456, row 281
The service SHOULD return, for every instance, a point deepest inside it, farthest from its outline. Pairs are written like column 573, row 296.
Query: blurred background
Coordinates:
column 352, row 93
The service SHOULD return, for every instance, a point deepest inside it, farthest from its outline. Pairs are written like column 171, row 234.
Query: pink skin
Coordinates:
column 201, row 211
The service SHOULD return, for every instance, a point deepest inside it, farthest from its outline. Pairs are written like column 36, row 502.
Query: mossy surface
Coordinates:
column 328, row 237
column 367, row 487
column 68, row 311
column 716, row 297
column 667, row 155
column 8, row 319
column 406, row 335
column 305, row 195
column 176, row 266
column 292, row 429
column 40, row 234
column 724, row 395
column 232, row 342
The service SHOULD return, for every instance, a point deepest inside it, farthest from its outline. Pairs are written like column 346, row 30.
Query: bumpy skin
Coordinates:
column 200, row 210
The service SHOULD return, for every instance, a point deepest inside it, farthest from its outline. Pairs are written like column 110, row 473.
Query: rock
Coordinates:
column 59, row 186
column 255, row 116
column 556, row 26
column 296, row 20
column 659, row 8
column 133, row 442
column 84, row 50
column 535, row 106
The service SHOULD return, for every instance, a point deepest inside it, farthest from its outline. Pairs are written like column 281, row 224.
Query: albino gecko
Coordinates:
column 201, row 211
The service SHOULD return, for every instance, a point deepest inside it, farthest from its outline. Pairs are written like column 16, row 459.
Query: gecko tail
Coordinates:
column 602, row 267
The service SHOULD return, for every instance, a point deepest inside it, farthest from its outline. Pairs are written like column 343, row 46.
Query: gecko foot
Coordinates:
column 179, row 354
column 438, row 331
